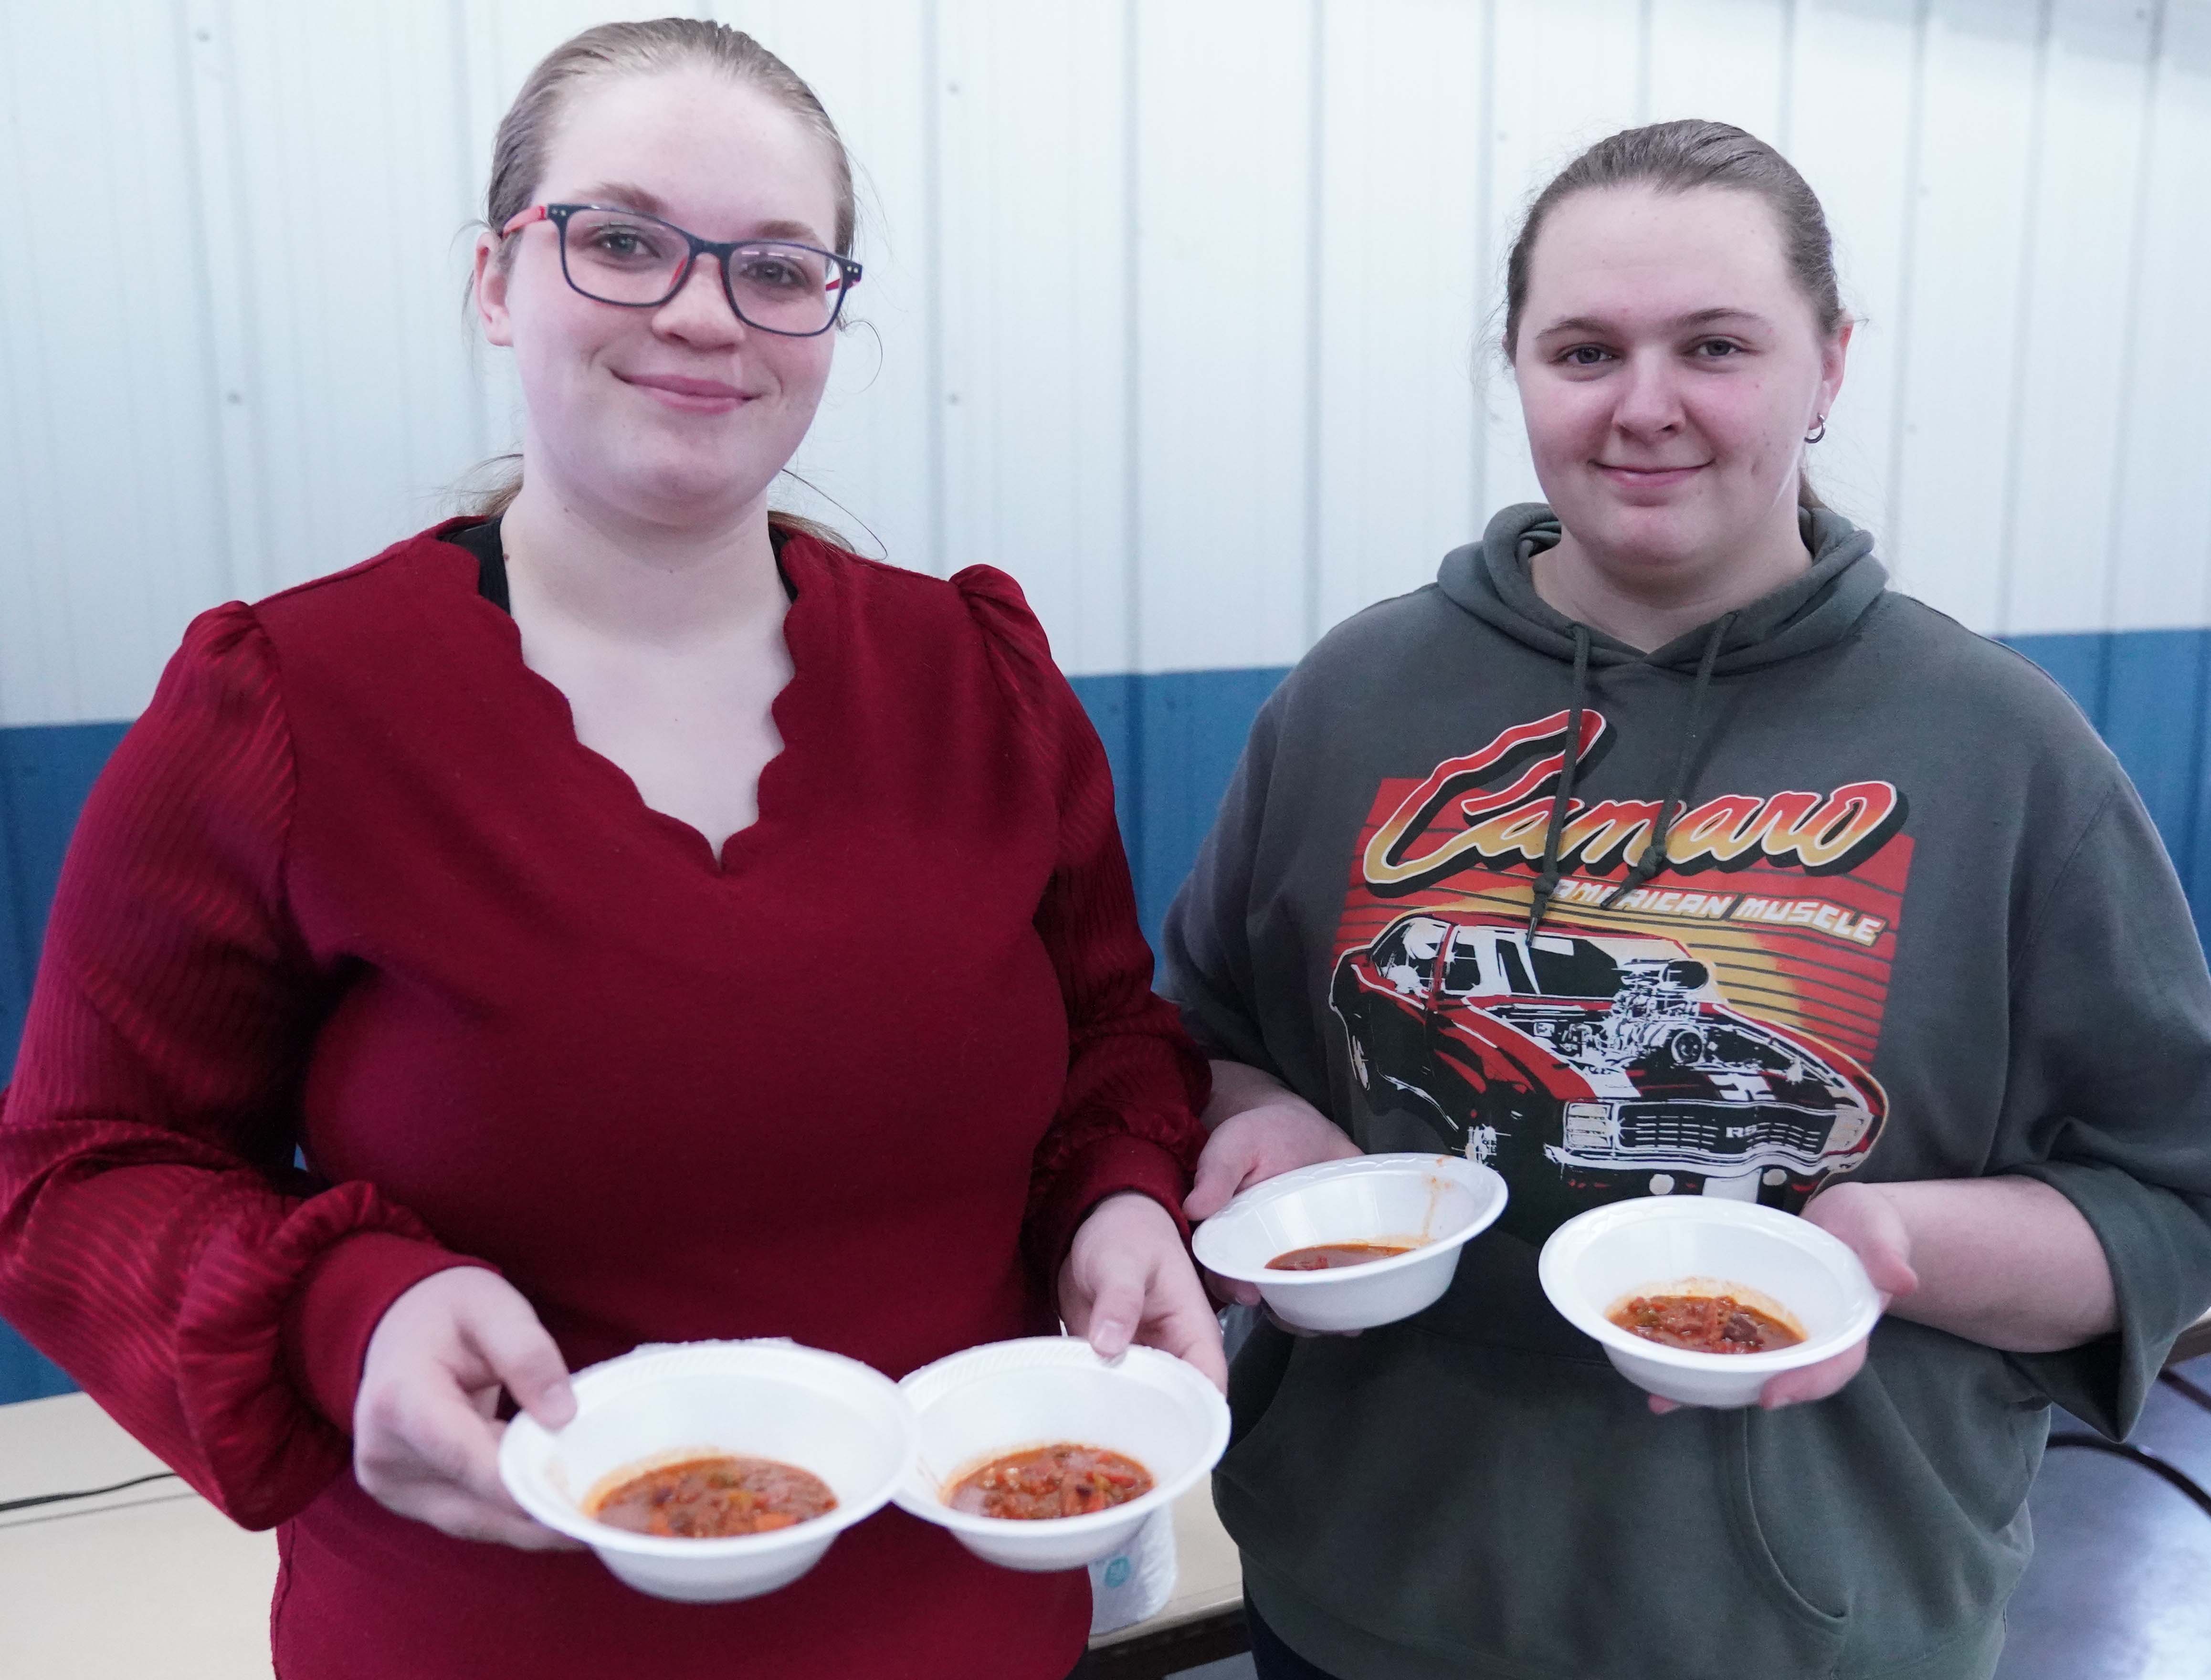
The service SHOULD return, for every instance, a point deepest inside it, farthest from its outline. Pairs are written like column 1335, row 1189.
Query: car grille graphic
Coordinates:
column 1715, row 1129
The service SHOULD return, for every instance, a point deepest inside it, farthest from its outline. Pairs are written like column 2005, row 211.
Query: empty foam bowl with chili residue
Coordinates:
column 1431, row 1205
column 832, row 1417
column 1004, row 1397
column 1598, row 1261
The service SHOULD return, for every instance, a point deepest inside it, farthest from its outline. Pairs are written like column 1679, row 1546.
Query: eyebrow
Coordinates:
column 1701, row 317
column 623, row 195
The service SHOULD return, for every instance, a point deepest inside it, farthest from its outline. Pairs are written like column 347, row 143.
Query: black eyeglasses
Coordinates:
column 636, row 261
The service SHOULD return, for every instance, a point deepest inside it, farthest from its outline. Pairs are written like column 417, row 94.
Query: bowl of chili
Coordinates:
column 1038, row 1454
column 1348, row 1245
column 1701, row 1300
column 710, row 1470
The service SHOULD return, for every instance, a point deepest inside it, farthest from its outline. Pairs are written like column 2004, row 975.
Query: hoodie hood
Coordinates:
column 1492, row 580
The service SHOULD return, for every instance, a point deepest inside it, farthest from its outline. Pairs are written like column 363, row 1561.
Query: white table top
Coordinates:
column 153, row 1581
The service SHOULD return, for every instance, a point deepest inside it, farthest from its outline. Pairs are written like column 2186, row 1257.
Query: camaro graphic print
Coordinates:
column 1707, row 1032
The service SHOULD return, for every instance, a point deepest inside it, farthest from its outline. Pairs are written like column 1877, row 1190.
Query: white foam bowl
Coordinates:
column 1007, row 1397
column 844, row 1421
column 1701, row 1245
column 1439, row 1201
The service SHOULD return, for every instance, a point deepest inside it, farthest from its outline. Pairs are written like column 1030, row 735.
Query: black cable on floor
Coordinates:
column 85, row 1493
column 2174, row 1379
column 2140, row 1455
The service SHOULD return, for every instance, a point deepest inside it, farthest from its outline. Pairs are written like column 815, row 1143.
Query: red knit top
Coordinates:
column 353, row 885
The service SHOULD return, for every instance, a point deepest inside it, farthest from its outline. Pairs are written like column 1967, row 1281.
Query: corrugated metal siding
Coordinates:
column 1181, row 310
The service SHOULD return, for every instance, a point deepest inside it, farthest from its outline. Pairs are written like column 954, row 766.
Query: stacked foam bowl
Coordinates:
column 871, row 1440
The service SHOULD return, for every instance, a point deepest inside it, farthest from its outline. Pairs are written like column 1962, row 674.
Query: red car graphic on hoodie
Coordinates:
column 1608, row 1065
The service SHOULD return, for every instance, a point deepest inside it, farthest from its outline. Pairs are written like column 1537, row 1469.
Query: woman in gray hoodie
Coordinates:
column 1658, row 848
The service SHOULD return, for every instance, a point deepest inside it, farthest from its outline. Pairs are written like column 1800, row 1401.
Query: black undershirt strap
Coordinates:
column 482, row 541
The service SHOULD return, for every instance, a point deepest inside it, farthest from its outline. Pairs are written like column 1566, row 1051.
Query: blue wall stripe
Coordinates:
column 1115, row 704
column 2148, row 693
column 1174, row 740
column 2078, row 661
column 2152, row 716
column 28, row 1374
column 44, row 773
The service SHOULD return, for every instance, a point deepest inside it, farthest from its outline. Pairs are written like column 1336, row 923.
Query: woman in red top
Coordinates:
column 648, row 922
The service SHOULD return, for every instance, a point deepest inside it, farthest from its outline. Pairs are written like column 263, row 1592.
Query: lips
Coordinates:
column 1648, row 478
column 697, row 396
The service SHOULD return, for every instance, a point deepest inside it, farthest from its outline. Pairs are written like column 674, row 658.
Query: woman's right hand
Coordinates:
column 1269, row 1130
column 425, row 1433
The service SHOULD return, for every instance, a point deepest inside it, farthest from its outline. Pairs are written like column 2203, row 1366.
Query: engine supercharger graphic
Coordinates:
column 1709, row 1032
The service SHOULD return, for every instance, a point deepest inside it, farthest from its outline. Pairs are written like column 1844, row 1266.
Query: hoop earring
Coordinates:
column 1819, row 432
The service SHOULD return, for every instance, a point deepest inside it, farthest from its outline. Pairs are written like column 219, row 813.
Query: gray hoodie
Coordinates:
column 1912, row 922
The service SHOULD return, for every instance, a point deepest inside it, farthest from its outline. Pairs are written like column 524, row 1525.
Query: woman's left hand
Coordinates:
column 1128, row 1278
column 1869, row 1224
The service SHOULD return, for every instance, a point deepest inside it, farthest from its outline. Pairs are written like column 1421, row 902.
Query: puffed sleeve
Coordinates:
column 156, row 1241
column 2108, row 1098
column 1128, row 1119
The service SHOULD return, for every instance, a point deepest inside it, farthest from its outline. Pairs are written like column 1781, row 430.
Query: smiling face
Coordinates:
column 679, row 415
column 1670, row 367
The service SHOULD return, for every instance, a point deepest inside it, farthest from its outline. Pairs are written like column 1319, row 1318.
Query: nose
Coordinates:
column 1648, row 404
column 700, row 313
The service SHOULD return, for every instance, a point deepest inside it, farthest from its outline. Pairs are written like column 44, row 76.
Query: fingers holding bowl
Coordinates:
column 839, row 1420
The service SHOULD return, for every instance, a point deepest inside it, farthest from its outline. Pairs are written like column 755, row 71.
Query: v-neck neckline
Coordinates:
column 482, row 542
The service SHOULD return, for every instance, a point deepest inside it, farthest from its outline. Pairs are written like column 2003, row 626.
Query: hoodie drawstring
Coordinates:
column 1654, row 855
column 1547, row 882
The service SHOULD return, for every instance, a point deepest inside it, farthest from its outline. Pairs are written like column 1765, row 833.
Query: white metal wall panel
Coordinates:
column 1565, row 74
column 2079, row 284
column 2161, row 560
column 1228, row 269
column 108, row 480
column 1400, row 289
column 1853, row 111
column 1036, row 283
column 1722, row 59
column 1961, row 378
column 353, row 194
column 1224, row 170
column 876, row 450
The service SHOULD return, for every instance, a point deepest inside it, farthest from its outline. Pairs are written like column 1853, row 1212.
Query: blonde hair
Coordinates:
column 525, row 136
